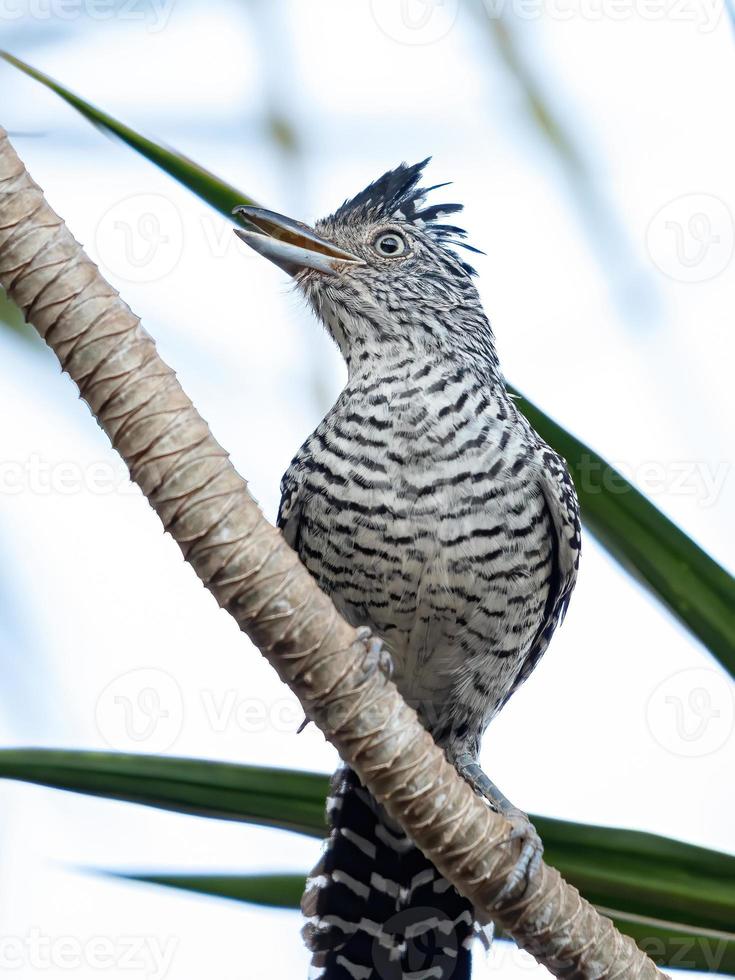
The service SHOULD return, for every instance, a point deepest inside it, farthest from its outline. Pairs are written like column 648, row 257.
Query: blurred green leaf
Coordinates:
column 699, row 592
column 275, row 890
column 501, row 30
column 281, row 130
column 678, row 946
column 513, row 45
column 635, row 873
column 671, row 566
column 670, row 945
column 221, row 195
column 11, row 318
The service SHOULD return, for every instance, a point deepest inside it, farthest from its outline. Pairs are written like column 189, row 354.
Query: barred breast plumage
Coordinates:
column 430, row 511
column 418, row 505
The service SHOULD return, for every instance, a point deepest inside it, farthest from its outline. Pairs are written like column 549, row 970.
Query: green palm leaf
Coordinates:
column 650, row 879
column 669, row 944
column 11, row 318
column 281, row 891
column 699, row 592
column 196, row 786
column 221, row 195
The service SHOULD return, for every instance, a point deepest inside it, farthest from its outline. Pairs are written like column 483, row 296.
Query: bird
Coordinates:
column 439, row 523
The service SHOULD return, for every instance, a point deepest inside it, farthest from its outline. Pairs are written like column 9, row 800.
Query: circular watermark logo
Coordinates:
column 140, row 238
column 415, row 21
column 692, row 712
column 424, row 943
column 691, row 239
column 142, row 709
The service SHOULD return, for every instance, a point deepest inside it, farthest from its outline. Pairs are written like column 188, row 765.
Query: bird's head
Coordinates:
column 382, row 271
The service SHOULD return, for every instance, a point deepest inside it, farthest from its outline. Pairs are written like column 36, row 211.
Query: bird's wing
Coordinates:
column 289, row 510
column 559, row 494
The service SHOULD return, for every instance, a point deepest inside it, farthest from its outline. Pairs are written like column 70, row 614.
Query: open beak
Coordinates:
column 291, row 245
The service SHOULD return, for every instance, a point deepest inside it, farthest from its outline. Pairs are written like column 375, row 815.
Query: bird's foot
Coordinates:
column 377, row 656
column 528, row 864
column 532, row 851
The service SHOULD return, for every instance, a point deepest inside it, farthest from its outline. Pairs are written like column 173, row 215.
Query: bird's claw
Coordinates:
column 529, row 863
column 377, row 655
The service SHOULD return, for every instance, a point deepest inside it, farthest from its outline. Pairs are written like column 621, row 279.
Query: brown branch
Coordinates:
column 205, row 505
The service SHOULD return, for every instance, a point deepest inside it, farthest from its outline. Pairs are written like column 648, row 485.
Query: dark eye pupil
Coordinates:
column 390, row 244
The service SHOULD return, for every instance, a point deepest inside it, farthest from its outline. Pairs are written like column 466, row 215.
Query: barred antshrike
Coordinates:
column 431, row 512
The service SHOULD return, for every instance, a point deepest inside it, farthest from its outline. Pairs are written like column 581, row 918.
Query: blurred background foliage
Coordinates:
column 11, row 318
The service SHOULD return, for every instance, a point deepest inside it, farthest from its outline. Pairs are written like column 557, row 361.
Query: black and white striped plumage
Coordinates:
column 430, row 511
column 375, row 906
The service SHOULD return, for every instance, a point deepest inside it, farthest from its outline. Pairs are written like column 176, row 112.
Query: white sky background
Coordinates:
column 628, row 343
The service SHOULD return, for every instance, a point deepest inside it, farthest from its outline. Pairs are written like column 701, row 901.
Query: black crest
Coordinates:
column 397, row 195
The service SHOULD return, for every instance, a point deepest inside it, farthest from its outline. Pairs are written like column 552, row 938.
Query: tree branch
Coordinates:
column 205, row 505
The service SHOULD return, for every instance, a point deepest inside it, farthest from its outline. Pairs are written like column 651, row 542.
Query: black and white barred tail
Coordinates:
column 377, row 909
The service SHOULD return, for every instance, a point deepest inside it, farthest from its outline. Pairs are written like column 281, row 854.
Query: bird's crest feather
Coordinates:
column 397, row 194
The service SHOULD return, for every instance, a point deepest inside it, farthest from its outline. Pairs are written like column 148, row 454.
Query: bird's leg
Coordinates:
column 528, row 864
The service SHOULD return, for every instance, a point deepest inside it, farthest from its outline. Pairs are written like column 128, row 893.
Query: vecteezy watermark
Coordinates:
column 692, row 712
column 148, row 956
column 685, row 953
column 140, row 238
column 692, row 238
column 507, row 958
column 154, row 14
column 44, row 477
column 230, row 712
column 418, row 942
column 415, row 21
column 678, row 952
column 700, row 479
column 141, row 709
column 706, row 14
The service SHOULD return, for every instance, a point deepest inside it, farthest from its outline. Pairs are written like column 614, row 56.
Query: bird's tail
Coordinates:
column 377, row 909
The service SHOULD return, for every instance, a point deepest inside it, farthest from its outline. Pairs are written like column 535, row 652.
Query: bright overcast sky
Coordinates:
column 611, row 297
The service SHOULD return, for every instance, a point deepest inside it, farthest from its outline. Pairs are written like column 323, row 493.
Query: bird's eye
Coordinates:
column 390, row 244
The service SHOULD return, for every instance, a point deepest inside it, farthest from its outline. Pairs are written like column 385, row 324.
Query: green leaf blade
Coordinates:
column 637, row 874
column 223, row 197
column 281, row 891
column 669, row 944
column 285, row 799
column 694, row 587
